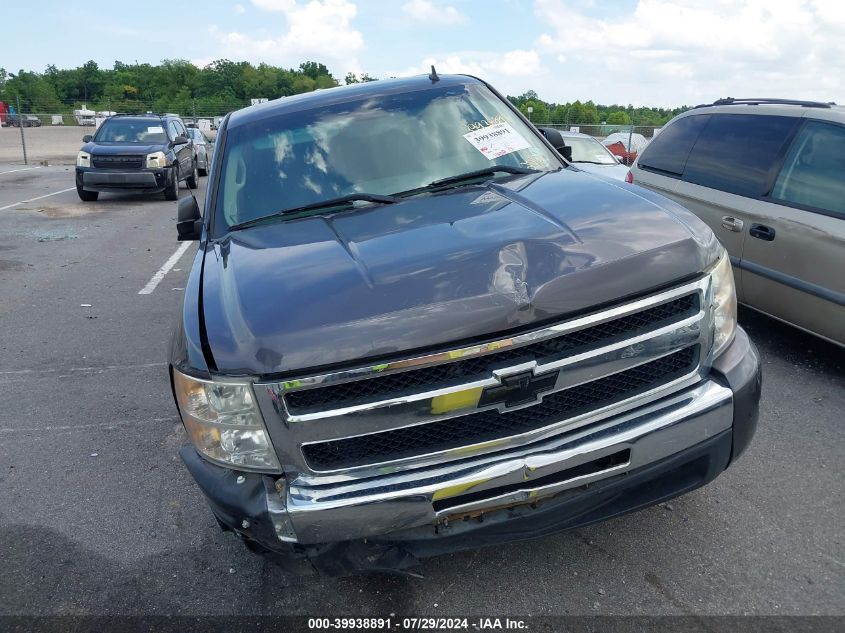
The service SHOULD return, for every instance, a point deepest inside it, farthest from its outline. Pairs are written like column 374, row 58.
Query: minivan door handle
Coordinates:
column 731, row 223
column 762, row 232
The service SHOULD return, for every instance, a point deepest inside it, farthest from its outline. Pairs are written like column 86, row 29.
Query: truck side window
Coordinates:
column 813, row 173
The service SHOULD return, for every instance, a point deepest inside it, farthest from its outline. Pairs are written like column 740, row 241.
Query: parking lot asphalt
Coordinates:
column 98, row 515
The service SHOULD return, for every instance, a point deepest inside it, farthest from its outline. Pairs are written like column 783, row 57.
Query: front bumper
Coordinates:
column 148, row 180
column 622, row 464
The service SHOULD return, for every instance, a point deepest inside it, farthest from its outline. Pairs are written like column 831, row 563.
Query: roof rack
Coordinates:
column 767, row 101
column 142, row 115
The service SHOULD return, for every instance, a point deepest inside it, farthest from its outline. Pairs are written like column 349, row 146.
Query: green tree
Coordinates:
column 352, row 78
column 313, row 69
column 618, row 117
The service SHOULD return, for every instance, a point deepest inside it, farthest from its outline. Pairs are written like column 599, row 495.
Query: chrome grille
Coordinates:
column 439, row 376
column 422, row 411
column 490, row 425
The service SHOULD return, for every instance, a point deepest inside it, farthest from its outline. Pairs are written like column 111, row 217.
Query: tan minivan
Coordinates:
column 768, row 176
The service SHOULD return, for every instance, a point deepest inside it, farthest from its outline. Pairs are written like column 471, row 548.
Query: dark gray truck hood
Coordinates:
column 460, row 266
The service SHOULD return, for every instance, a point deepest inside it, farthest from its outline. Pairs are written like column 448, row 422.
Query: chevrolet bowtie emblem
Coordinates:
column 518, row 390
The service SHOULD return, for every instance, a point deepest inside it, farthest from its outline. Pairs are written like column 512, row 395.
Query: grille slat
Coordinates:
column 444, row 375
column 490, row 425
column 118, row 162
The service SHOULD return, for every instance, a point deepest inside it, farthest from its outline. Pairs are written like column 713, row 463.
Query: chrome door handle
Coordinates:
column 731, row 223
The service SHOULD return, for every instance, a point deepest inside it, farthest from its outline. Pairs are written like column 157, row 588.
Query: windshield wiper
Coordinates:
column 468, row 177
column 480, row 173
column 592, row 162
column 316, row 206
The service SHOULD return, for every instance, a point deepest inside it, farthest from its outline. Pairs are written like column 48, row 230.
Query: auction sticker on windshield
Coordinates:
column 497, row 140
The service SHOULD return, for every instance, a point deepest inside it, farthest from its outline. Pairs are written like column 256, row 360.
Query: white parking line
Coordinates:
column 161, row 272
column 78, row 427
column 55, row 193
column 87, row 370
column 14, row 171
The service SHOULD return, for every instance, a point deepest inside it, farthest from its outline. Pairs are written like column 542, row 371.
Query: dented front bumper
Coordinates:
column 624, row 463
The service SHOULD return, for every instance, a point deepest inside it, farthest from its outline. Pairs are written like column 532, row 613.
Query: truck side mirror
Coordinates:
column 87, row 138
column 556, row 139
column 189, row 220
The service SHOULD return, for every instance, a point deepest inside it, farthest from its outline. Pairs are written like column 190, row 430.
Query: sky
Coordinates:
column 662, row 53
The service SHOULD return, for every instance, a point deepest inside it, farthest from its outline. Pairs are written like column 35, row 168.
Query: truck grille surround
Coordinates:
column 490, row 398
column 491, row 425
column 440, row 375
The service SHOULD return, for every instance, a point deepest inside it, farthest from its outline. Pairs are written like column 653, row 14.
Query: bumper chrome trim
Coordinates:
column 403, row 500
column 320, row 513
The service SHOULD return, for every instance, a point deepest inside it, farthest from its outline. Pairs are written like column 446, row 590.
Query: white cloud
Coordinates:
column 519, row 62
column 275, row 5
column 425, row 11
column 509, row 72
column 239, row 9
column 321, row 30
column 685, row 51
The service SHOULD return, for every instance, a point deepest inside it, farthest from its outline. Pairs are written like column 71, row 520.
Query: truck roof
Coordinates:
column 353, row 92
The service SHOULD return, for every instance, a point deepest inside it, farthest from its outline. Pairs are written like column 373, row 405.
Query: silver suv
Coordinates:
column 768, row 176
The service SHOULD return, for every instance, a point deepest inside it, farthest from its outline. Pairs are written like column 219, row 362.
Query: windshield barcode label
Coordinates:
column 497, row 140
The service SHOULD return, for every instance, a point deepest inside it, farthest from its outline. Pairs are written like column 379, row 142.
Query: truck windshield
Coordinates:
column 383, row 145
column 131, row 131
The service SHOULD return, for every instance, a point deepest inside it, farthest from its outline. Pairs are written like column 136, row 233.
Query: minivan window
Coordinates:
column 813, row 173
column 669, row 150
column 736, row 152
column 379, row 144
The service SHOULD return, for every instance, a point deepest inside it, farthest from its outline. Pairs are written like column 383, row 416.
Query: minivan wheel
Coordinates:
column 193, row 180
column 171, row 192
column 87, row 196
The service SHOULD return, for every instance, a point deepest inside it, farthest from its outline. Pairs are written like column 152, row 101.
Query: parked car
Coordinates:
column 409, row 330
column 768, row 177
column 590, row 155
column 203, row 149
column 146, row 153
column 27, row 120
column 625, row 145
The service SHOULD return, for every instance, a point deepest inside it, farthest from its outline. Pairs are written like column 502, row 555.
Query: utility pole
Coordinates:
column 20, row 125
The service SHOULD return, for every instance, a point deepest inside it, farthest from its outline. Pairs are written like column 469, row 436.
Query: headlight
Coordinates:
column 83, row 159
column 156, row 159
column 724, row 303
column 224, row 423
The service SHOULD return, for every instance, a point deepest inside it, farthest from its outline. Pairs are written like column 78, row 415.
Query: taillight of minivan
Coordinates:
column 629, row 177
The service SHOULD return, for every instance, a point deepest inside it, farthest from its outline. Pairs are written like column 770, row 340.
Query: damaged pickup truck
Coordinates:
column 412, row 328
